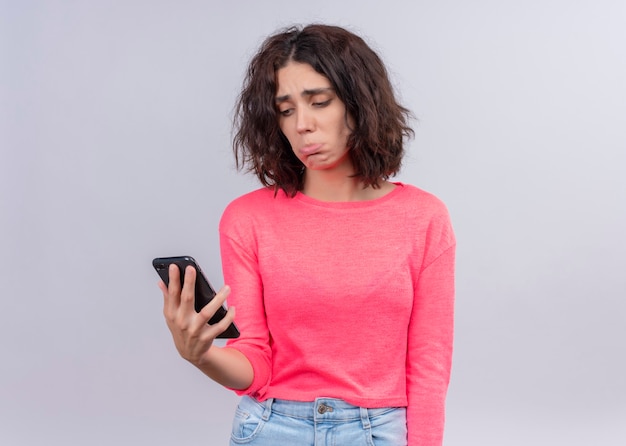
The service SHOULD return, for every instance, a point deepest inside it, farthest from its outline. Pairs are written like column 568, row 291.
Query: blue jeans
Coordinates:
column 323, row 422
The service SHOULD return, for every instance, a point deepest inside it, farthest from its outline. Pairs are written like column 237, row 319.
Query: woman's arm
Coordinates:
column 227, row 366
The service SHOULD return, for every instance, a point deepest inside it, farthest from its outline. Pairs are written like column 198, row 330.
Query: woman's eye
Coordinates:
column 321, row 103
column 286, row 112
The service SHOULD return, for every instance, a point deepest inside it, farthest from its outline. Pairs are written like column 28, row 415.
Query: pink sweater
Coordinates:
column 351, row 300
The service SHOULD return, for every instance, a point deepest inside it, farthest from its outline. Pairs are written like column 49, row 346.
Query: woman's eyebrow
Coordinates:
column 308, row 92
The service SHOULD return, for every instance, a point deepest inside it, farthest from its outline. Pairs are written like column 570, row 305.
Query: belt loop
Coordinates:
column 268, row 409
column 365, row 418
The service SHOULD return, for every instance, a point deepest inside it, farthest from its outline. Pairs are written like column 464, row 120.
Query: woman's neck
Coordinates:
column 337, row 187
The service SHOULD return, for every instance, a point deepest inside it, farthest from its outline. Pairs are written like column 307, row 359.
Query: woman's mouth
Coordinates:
column 310, row 149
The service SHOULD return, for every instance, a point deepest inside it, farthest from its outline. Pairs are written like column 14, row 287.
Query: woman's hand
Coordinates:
column 192, row 334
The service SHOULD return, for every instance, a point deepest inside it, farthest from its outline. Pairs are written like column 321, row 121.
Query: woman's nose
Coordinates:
column 304, row 121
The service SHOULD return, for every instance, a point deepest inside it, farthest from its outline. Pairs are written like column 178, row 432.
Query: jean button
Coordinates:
column 323, row 408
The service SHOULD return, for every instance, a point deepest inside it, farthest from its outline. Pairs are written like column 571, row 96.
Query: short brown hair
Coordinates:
column 360, row 80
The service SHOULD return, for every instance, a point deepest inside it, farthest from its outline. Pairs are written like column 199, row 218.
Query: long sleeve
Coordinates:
column 429, row 354
column 241, row 273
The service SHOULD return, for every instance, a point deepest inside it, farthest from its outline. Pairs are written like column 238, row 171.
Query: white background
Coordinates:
column 115, row 148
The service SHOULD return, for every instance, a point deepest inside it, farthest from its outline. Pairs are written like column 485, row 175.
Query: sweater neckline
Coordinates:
column 351, row 204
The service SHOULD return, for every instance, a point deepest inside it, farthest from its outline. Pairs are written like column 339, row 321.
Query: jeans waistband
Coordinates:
column 322, row 409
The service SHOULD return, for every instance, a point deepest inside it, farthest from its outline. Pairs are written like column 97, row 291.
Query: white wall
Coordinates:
column 115, row 148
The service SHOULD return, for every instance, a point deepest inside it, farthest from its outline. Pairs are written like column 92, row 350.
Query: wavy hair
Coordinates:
column 360, row 80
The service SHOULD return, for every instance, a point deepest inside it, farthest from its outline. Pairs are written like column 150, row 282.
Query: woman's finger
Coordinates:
column 209, row 310
column 171, row 292
column 223, row 325
column 188, row 293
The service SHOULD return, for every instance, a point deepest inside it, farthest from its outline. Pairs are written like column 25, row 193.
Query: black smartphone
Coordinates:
column 204, row 291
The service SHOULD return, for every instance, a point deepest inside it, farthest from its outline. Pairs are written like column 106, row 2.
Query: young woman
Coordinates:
column 343, row 281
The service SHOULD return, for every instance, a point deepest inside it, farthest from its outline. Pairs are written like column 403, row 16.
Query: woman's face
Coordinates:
column 312, row 117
